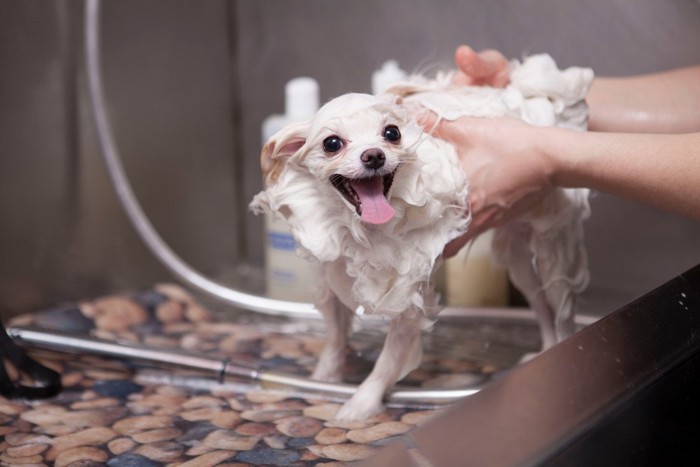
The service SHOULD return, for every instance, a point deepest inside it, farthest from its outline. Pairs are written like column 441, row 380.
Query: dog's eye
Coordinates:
column 332, row 144
column 392, row 133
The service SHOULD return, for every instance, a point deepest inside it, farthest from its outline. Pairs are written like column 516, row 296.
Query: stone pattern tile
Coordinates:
column 118, row 415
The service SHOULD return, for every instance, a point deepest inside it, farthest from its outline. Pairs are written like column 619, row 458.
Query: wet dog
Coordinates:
column 372, row 199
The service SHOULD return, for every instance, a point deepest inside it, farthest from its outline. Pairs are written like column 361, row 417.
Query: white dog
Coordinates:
column 372, row 200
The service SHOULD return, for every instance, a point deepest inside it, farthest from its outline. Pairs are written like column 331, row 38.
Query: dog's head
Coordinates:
column 355, row 145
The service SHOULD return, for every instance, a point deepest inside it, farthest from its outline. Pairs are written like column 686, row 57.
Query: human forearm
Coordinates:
column 662, row 170
column 665, row 102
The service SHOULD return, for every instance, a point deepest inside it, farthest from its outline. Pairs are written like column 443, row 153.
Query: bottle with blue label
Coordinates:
column 287, row 276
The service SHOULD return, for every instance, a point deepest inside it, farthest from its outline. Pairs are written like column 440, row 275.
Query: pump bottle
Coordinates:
column 287, row 276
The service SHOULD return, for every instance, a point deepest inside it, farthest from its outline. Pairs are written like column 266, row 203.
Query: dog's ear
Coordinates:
column 397, row 100
column 280, row 147
column 392, row 97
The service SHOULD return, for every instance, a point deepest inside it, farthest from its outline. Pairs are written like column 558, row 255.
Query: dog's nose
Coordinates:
column 373, row 158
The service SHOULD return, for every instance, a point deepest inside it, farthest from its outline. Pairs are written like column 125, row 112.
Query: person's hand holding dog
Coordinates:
column 510, row 165
column 498, row 189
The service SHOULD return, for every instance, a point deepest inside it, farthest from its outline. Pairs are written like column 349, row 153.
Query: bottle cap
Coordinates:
column 388, row 74
column 301, row 98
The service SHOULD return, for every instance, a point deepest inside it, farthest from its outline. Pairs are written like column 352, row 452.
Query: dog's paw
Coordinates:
column 365, row 403
column 359, row 409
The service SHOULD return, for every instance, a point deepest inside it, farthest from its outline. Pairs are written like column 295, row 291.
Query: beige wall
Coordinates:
column 188, row 85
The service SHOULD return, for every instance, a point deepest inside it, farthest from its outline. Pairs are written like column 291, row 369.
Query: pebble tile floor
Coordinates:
column 119, row 415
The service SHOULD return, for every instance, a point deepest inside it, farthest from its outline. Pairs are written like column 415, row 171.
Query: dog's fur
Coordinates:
column 380, row 255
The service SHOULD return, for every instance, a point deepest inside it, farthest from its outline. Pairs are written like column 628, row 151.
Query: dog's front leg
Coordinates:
column 402, row 353
column 338, row 319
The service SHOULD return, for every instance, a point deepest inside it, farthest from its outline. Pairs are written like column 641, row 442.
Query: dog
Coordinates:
column 372, row 199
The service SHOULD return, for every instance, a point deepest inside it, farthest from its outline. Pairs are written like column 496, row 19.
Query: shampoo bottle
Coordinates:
column 472, row 279
column 286, row 274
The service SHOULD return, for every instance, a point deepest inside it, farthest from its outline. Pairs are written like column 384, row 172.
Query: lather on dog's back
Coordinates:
column 372, row 200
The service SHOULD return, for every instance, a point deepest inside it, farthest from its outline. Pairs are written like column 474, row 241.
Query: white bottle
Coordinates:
column 287, row 275
column 388, row 74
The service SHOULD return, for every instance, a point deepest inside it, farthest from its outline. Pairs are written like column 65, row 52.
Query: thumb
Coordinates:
column 451, row 131
column 436, row 126
column 428, row 120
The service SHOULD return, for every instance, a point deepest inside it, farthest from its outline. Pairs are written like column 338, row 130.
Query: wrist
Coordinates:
column 553, row 145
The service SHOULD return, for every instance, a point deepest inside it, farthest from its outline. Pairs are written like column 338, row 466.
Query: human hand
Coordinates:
column 504, row 164
column 486, row 68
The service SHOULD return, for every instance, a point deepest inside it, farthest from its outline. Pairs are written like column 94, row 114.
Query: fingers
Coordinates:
column 451, row 131
column 432, row 124
column 488, row 67
column 465, row 59
column 428, row 120
column 483, row 218
column 461, row 79
column 470, row 63
column 452, row 248
column 476, row 228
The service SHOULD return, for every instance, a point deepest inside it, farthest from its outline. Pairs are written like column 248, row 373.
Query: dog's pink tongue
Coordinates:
column 375, row 208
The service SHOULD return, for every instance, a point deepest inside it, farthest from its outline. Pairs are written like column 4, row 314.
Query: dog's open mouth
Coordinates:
column 368, row 195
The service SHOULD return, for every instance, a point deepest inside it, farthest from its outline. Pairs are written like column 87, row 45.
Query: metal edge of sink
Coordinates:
column 588, row 399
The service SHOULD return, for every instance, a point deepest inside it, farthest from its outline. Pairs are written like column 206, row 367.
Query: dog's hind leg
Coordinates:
column 550, row 268
column 515, row 249
column 401, row 353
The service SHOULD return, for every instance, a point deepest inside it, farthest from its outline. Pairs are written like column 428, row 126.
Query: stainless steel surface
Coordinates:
column 620, row 392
